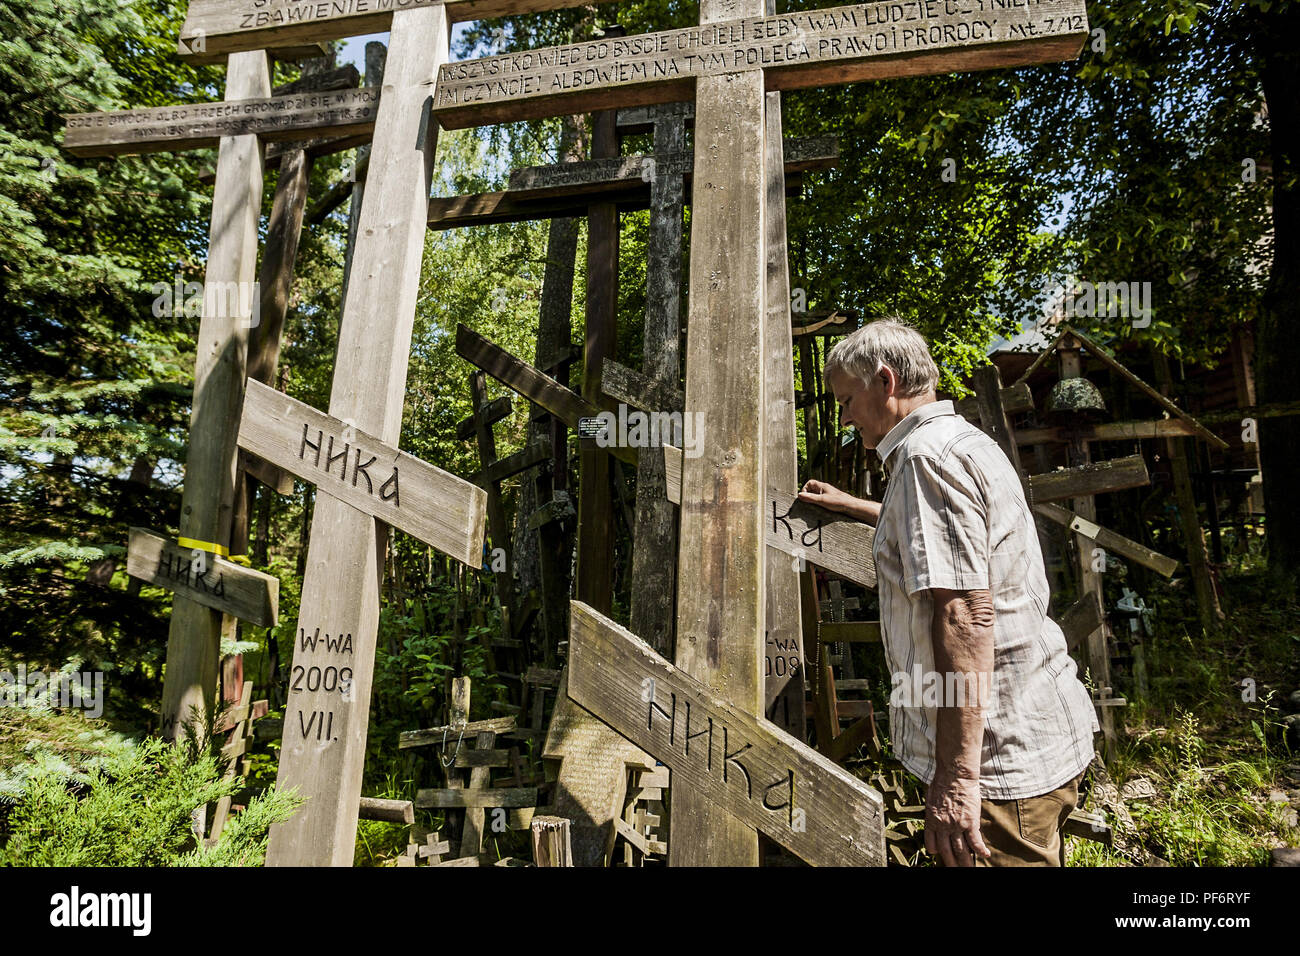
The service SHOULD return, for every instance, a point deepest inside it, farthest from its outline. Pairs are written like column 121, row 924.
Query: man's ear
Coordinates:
column 888, row 381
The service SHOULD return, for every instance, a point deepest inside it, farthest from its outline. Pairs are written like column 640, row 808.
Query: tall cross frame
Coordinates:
column 740, row 55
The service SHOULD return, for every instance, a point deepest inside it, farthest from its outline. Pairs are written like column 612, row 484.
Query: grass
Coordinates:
column 1207, row 734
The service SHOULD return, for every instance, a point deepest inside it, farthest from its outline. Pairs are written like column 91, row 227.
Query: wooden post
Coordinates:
column 207, row 504
column 784, row 654
column 342, row 596
column 376, row 54
column 654, row 568
column 1189, row 518
column 551, row 841
column 1097, row 644
column 721, row 606
column 595, row 584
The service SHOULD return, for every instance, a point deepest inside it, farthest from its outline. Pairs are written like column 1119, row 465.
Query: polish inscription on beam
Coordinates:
column 747, row 765
column 158, row 129
column 204, row 578
column 360, row 470
column 840, row 45
column 214, row 28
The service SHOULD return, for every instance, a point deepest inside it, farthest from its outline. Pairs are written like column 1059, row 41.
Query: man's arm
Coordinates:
column 829, row 497
column 961, row 631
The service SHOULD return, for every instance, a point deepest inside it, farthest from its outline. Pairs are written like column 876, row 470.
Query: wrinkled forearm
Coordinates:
column 962, row 636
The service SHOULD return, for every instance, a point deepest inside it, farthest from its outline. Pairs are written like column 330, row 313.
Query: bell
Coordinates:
column 1075, row 401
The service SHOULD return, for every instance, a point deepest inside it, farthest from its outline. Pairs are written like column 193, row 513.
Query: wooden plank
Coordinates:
column 721, row 612
column 641, row 391
column 1088, row 479
column 1124, row 547
column 783, row 647
column 481, row 209
column 1081, row 619
column 215, row 27
column 503, row 468
column 482, row 758
column 277, row 479
column 993, row 413
column 654, row 580
column 1108, row 431
column 222, row 585
column 848, row 632
column 516, row 374
column 594, row 574
column 202, row 125
column 592, row 780
column 207, row 503
column 442, row 798
column 435, row 736
column 344, row 566
column 745, row 764
column 827, row 539
column 845, row 44
column 391, row 811
column 491, row 413
column 368, row 474
column 590, row 179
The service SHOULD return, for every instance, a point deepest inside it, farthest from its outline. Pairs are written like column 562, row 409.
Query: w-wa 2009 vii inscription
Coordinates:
column 869, row 41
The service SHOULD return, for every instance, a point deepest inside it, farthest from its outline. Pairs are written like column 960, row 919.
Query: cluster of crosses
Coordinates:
column 734, row 773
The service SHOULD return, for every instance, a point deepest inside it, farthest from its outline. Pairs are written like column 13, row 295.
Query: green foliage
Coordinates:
column 136, row 811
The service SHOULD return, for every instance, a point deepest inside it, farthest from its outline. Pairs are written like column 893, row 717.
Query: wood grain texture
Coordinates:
column 804, row 531
column 721, row 606
column 433, row 505
column 1110, row 540
column 205, row 579
column 1088, row 479
column 746, row 766
column 221, row 354
column 201, row 125
column 654, row 580
column 1108, row 431
column 460, row 799
column 630, row 193
column 345, row 560
column 783, row 656
column 1081, row 620
column 215, row 27
column 839, row 45
column 390, row 811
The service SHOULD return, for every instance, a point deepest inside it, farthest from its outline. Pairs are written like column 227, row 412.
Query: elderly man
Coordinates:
column 1002, row 733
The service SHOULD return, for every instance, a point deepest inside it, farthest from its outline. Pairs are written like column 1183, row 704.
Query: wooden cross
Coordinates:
column 732, row 59
column 800, row 531
column 214, row 506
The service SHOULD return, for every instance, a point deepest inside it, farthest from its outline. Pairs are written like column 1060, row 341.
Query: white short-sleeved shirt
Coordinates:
column 955, row 517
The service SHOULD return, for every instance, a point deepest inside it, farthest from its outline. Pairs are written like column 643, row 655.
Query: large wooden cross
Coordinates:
column 729, row 62
column 732, row 60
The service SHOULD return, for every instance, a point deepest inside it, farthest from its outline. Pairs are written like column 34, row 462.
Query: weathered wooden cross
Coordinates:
column 238, row 125
column 731, row 61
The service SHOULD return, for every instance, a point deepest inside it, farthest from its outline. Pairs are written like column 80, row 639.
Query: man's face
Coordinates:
column 862, row 405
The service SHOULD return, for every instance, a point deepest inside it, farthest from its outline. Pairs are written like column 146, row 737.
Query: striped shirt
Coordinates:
column 955, row 517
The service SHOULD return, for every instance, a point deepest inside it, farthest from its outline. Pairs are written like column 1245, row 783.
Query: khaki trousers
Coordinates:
column 1027, row 832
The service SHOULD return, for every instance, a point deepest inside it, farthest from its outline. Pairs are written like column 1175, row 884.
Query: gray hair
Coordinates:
column 886, row 342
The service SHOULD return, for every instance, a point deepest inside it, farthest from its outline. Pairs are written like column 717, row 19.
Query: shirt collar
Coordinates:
column 898, row 434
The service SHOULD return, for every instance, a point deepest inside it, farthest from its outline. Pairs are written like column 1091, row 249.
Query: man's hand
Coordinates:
column 952, row 821
column 826, row 495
